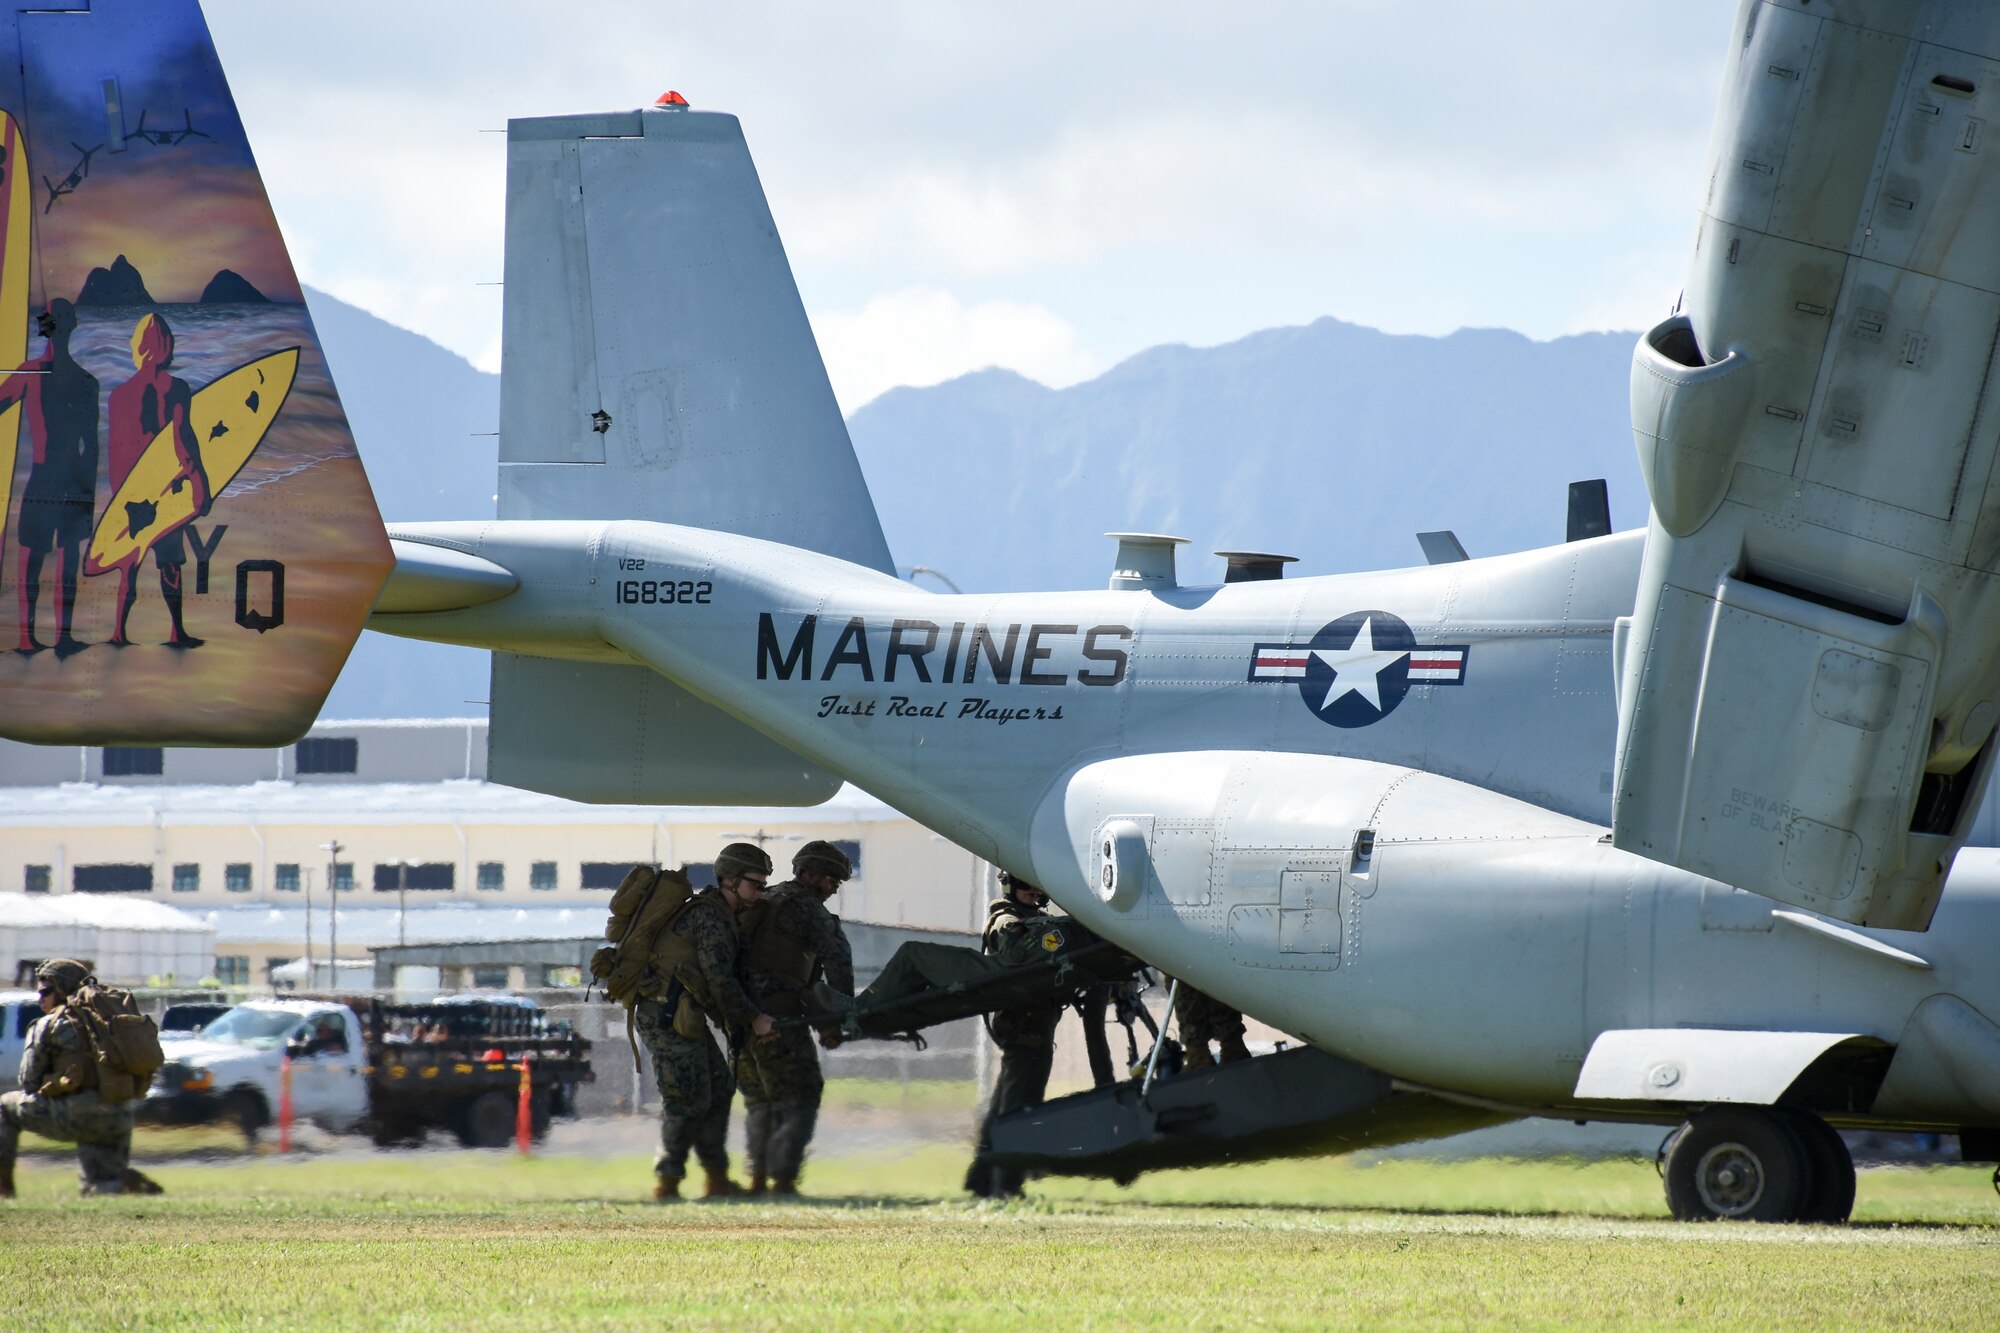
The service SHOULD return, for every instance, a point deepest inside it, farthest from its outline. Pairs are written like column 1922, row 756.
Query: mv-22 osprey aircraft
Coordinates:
column 1659, row 826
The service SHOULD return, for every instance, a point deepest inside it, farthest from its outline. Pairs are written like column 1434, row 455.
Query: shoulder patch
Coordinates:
column 1052, row 941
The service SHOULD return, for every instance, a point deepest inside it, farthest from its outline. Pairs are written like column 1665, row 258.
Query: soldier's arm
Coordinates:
column 836, row 955
column 715, row 948
column 38, row 1057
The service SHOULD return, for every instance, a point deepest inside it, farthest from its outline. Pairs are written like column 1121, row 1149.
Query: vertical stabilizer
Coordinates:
column 190, row 545
column 656, row 359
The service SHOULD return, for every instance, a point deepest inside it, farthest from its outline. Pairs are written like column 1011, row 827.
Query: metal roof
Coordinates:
column 95, row 805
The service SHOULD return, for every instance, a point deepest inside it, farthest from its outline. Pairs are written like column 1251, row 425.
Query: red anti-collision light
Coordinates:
column 670, row 99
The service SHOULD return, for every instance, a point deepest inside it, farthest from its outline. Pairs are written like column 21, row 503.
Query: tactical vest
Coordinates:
column 772, row 951
column 673, row 958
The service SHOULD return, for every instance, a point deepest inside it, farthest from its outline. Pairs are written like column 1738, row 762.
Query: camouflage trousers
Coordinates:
column 1203, row 1019
column 1023, row 1082
column 695, row 1088
column 781, row 1086
column 102, row 1132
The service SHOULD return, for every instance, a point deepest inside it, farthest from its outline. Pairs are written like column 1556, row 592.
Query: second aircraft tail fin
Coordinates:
column 656, row 359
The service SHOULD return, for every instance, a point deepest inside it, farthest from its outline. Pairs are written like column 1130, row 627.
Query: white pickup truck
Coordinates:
column 393, row 1071
column 18, row 1011
column 233, row 1070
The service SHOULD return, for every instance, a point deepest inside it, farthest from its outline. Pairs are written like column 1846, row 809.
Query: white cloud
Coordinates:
column 922, row 336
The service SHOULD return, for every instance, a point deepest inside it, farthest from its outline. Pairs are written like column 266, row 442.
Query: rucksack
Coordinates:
column 633, row 966
column 124, row 1043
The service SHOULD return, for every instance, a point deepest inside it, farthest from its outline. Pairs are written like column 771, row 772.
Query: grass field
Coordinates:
column 489, row 1240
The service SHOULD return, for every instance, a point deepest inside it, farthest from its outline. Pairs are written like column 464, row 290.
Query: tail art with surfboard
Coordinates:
column 188, row 544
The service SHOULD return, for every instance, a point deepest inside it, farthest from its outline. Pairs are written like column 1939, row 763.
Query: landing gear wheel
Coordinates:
column 1829, row 1193
column 1736, row 1163
column 487, row 1121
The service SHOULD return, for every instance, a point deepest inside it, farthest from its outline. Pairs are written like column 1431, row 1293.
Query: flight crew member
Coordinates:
column 693, row 1077
column 791, row 941
column 1203, row 1019
column 59, row 1097
column 1026, row 1037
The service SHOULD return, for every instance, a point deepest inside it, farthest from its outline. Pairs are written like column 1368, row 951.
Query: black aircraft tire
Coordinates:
column 487, row 1121
column 1739, row 1164
column 1829, row 1194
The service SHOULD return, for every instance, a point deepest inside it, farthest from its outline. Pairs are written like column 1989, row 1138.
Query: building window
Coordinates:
column 542, row 875
column 272, row 965
column 493, row 876
column 236, row 877
column 701, row 874
column 604, row 874
column 853, row 850
column 232, row 969
column 489, row 978
column 431, row 876
column 113, row 879
column 36, row 880
column 187, row 877
column 326, row 754
column 132, row 761
column 343, row 876
column 287, row 879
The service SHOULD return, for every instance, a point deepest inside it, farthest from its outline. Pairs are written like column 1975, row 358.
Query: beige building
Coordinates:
column 398, row 819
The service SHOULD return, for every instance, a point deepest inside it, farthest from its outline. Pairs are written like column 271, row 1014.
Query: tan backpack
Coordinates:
column 640, row 961
column 124, row 1043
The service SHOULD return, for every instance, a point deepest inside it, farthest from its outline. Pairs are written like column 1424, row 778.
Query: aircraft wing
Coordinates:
column 1811, row 679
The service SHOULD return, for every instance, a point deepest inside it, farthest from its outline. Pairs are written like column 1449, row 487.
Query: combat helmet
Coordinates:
column 64, row 976
column 741, row 858
column 822, row 858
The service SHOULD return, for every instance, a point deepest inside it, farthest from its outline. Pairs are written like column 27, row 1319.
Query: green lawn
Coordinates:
column 489, row 1240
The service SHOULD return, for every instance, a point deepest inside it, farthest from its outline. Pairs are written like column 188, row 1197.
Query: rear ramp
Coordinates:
column 1291, row 1103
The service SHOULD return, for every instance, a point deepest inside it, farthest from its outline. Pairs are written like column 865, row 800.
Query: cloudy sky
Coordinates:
column 1045, row 187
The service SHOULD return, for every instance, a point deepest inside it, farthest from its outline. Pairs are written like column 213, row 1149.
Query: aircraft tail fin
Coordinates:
column 190, row 545
column 656, row 361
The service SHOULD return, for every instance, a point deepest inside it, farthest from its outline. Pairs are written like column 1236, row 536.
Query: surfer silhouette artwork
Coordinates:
column 203, row 491
column 149, row 410
column 58, row 402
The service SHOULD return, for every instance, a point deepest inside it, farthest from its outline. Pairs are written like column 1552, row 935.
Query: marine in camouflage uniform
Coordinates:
column 692, row 1075
column 1202, row 1019
column 1026, row 1037
column 59, row 1099
column 792, row 942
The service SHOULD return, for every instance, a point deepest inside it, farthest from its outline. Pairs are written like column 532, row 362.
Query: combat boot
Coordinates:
column 757, row 1184
column 666, row 1189
column 784, row 1187
column 138, row 1182
column 1233, row 1049
column 720, row 1186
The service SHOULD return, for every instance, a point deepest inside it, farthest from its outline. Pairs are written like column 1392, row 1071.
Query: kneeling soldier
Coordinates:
column 59, row 1097
column 790, row 939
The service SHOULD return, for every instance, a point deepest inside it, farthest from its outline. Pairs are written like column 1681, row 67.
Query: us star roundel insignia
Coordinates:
column 1356, row 670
